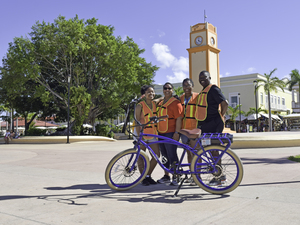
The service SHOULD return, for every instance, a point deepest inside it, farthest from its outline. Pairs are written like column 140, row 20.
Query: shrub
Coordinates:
column 32, row 131
column 102, row 130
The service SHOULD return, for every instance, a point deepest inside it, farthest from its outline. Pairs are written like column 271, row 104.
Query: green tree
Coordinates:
column 295, row 80
column 178, row 91
column 253, row 111
column 106, row 72
column 234, row 112
column 270, row 84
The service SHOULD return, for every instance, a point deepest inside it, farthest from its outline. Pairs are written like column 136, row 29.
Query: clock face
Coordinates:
column 198, row 40
column 212, row 40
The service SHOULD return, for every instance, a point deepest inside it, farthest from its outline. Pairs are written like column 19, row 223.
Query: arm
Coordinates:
column 158, row 100
column 178, row 116
column 178, row 127
column 138, row 111
column 224, row 107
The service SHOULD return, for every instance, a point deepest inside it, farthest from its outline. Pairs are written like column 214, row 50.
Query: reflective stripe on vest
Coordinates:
column 162, row 110
column 145, row 118
column 201, row 109
column 189, row 121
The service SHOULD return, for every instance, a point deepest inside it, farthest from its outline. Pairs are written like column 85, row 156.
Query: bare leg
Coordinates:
column 141, row 164
column 153, row 161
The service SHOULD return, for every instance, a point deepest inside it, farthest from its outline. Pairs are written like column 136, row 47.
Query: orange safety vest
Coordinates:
column 201, row 109
column 162, row 110
column 189, row 121
column 145, row 118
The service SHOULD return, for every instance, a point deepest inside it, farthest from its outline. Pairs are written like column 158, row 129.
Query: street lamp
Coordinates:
column 69, row 79
column 240, row 111
column 255, row 90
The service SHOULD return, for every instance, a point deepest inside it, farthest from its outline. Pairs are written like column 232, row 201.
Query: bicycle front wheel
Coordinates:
column 224, row 176
column 119, row 173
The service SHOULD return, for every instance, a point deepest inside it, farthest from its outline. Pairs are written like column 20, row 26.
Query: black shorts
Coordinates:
column 215, row 125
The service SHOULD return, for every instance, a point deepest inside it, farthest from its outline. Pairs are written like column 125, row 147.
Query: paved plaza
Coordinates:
column 64, row 184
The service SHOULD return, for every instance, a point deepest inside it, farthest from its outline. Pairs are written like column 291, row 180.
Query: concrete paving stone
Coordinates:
column 64, row 184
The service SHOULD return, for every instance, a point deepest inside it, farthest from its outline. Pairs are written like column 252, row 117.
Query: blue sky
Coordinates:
column 254, row 36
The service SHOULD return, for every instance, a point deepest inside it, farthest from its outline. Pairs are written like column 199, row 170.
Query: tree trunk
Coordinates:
column 270, row 113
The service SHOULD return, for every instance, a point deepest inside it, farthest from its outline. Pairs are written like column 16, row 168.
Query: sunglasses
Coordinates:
column 166, row 88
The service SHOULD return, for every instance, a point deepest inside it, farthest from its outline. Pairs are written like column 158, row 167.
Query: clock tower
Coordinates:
column 204, row 53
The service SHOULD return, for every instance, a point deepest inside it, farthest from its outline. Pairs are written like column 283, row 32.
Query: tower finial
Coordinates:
column 205, row 17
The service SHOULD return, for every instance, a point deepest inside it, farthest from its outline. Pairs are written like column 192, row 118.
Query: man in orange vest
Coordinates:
column 210, row 117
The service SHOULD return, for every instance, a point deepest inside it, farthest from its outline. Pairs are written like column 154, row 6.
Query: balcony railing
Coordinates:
column 276, row 107
column 296, row 105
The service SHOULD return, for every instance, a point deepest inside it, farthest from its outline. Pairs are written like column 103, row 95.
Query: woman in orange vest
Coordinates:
column 189, row 122
column 170, row 128
column 143, row 111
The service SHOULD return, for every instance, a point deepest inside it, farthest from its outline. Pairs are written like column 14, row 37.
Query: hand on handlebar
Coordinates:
column 156, row 119
column 137, row 99
column 176, row 136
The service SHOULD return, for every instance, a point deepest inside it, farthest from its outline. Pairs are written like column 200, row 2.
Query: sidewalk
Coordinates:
column 240, row 140
column 65, row 184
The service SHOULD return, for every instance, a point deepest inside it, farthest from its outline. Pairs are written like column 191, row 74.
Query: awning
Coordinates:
column 274, row 117
column 295, row 115
column 253, row 116
column 265, row 115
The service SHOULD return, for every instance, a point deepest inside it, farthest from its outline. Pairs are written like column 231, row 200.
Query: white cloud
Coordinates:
column 179, row 66
column 161, row 33
column 226, row 74
column 163, row 55
column 251, row 69
column 179, row 76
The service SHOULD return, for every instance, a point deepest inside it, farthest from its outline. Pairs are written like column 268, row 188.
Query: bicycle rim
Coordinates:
column 222, row 178
column 118, row 174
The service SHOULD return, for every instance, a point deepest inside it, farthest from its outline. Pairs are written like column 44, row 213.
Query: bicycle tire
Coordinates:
column 117, row 175
column 231, row 166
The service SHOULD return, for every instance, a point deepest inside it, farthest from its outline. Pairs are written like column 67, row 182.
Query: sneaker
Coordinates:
column 223, row 179
column 145, row 182
column 164, row 179
column 192, row 182
column 173, row 182
column 188, row 180
column 215, row 182
column 150, row 180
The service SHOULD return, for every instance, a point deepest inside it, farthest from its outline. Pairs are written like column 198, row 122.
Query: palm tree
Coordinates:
column 295, row 79
column 253, row 111
column 234, row 113
column 178, row 91
column 270, row 84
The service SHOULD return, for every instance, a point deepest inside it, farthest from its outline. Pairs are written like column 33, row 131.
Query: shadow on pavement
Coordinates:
column 153, row 193
column 284, row 160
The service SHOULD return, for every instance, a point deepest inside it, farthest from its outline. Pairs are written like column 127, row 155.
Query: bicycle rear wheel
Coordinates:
column 228, row 174
column 118, row 175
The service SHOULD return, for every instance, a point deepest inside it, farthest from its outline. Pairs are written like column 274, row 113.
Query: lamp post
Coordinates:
column 240, row 111
column 255, row 90
column 69, row 79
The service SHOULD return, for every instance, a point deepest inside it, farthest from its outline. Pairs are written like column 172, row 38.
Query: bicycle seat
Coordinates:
column 195, row 133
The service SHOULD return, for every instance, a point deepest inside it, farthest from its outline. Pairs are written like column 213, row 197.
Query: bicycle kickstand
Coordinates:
column 176, row 192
